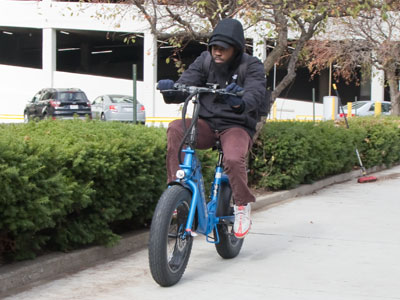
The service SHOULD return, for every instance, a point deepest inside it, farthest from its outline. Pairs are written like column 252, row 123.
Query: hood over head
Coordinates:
column 228, row 32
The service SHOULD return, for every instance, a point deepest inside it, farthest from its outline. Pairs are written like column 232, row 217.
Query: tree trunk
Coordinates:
column 394, row 91
column 395, row 97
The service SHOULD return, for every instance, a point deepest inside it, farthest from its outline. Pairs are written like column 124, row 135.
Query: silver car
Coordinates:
column 117, row 108
column 366, row 108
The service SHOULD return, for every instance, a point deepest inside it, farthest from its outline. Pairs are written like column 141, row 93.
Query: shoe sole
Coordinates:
column 241, row 236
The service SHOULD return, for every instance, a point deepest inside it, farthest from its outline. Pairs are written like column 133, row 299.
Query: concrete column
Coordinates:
column 49, row 55
column 377, row 85
column 365, row 88
column 259, row 48
column 150, row 72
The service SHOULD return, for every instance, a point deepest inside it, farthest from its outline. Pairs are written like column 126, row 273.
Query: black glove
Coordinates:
column 233, row 100
column 165, row 84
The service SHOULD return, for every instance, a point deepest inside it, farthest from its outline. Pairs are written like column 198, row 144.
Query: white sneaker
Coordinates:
column 242, row 223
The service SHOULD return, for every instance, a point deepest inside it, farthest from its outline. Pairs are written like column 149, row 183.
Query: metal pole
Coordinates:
column 330, row 79
column 134, row 94
column 274, row 82
column 313, row 104
column 355, row 111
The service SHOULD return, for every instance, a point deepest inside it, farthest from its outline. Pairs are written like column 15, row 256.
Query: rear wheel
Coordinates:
column 229, row 246
column 169, row 248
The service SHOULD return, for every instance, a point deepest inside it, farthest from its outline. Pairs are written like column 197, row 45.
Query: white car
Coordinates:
column 117, row 108
column 365, row 108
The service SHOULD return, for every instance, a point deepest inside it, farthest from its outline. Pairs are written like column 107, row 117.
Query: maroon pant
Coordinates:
column 235, row 143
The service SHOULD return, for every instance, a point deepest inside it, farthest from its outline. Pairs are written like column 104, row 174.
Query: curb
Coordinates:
column 24, row 275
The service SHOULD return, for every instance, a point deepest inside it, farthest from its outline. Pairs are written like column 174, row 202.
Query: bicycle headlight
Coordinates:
column 180, row 174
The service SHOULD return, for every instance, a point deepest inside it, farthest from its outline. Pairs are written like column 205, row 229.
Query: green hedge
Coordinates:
column 67, row 184
column 64, row 183
column 291, row 153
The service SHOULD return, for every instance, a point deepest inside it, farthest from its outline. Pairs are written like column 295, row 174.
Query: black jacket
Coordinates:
column 213, row 109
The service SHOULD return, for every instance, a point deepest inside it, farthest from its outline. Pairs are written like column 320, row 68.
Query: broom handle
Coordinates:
column 340, row 105
column 348, row 127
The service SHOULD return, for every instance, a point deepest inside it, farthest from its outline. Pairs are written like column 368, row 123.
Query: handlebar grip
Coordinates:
column 178, row 86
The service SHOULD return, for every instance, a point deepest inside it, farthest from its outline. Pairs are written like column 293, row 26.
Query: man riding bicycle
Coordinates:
column 231, row 119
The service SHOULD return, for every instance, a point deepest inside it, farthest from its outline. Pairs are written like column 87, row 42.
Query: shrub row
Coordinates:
column 66, row 184
column 291, row 153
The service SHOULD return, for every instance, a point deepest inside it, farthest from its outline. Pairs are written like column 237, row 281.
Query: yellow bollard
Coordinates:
column 333, row 108
column 378, row 108
column 349, row 108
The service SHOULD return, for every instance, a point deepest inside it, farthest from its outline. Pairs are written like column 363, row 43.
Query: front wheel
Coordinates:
column 169, row 247
column 229, row 246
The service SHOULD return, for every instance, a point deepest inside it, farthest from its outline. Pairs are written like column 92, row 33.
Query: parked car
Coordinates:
column 58, row 103
column 366, row 108
column 117, row 108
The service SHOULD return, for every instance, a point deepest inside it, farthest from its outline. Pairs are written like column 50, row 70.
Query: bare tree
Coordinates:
column 373, row 40
column 284, row 22
column 289, row 24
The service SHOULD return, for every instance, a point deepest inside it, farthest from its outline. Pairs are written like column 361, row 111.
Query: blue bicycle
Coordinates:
column 182, row 211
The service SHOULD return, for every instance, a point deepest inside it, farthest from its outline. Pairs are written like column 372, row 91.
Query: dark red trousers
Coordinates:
column 235, row 143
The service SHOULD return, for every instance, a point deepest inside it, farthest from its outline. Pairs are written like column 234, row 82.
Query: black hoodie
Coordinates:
column 218, row 114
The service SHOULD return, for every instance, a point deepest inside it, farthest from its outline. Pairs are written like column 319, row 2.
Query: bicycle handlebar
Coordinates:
column 193, row 90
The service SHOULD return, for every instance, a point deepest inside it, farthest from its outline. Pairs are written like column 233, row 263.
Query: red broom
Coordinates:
column 364, row 178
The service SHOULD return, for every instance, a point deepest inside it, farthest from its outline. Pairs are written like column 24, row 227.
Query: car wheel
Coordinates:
column 103, row 117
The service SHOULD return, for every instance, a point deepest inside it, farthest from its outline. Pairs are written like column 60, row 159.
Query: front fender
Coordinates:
column 186, row 186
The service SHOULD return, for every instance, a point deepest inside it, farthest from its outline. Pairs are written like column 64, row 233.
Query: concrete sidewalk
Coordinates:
column 24, row 275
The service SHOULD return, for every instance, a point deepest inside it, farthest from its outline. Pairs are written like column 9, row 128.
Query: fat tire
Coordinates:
column 229, row 246
column 166, row 270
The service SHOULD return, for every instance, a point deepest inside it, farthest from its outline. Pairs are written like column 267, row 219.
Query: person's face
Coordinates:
column 221, row 55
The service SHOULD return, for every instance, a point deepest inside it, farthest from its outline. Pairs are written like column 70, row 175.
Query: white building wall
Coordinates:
column 288, row 109
column 17, row 86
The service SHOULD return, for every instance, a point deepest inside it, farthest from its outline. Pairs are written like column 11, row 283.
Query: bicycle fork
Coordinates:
column 207, row 219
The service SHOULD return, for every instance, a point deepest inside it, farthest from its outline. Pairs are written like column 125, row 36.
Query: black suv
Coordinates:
column 58, row 103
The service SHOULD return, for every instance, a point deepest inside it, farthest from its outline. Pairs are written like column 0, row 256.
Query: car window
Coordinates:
column 47, row 95
column 36, row 97
column 385, row 107
column 71, row 96
column 98, row 100
column 372, row 107
column 121, row 99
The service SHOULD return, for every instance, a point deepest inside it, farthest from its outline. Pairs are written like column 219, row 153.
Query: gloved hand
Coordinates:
column 233, row 100
column 165, row 84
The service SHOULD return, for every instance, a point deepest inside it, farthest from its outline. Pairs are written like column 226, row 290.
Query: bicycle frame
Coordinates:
column 193, row 178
